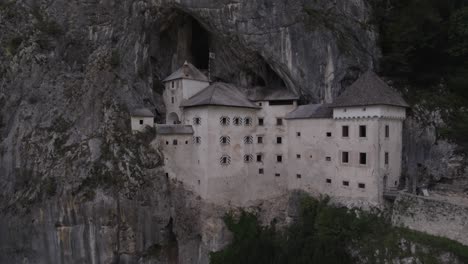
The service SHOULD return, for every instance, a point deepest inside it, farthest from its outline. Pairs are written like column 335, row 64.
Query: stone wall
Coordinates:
column 432, row 215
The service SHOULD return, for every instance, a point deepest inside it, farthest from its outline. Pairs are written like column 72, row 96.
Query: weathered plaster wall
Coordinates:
column 432, row 215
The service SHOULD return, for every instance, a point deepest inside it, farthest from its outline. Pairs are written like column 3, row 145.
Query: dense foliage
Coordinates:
column 328, row 234
column 425, row 45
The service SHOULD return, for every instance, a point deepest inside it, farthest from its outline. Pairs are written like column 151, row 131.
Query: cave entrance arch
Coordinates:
column 173, row 119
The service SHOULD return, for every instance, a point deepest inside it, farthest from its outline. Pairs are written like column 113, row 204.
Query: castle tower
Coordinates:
column 179, row 86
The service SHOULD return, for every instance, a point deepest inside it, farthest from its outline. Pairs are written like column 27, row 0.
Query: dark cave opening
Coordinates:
column 200, row 46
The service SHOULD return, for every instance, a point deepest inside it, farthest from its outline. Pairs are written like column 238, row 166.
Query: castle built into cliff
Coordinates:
column 233, row 145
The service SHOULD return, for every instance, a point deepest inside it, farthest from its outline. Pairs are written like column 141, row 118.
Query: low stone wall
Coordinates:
column 433, row 216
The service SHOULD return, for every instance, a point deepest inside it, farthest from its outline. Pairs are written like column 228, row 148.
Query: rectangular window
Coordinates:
column 279, row 121
column 172, row 100
column 174, row 142
column 361, row 186
column 345, row 131
column 363, row 158
column 386, row 158
column 141, row 122
column 298, row 134
column 329, row 134
column 329, row 181
column 362, row 131
column 279, row 140
column 260, row 140
column 260, row 171
column 328, row 158
column 298, row 156
column 298, row 176
column 387, row 131
column 247, row 121
column 259, row 158
column 172, row 84
column 260, row 121
column 345, row 157
column 277, row 174
column 345, row 183
column 279, row 158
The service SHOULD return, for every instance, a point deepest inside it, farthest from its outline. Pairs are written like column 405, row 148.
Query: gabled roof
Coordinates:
column 174, row 129
column 369, row 89
column 142, row 112
column 187, row 71
column 311, row 111
column 269, row 94
column 221, row 94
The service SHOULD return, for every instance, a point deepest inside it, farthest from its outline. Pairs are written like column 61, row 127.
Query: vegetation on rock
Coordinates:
column 425, row 45
column 325, row 233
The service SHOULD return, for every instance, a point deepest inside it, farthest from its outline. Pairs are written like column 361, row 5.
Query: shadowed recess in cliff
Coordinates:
column 184, row 37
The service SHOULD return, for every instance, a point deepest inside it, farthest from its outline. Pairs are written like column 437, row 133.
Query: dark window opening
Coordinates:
column 141, row 122
column 248, row 158
column 329, row 134
column 248, row 140
column 282, row 102
column 260, row 140
column 174, row 142
column 197, row 121
column 186, row 142
column 345, row 183
column 298, row 156
column 224, row 120
column 328, row 158
column 259, row 158
column 387, row 131
column 329, row 181
column 167, row 142
column 361, row 186
column 260, row 121
column 225, row 160
column 224, row 140
column 172, row 99
column 260, row 104
column 298, row 134
column 167, row 175
column 279, row 140
column 386, row 158
column 197, row 140
column 260, row 171
column 277, row 175
column 279, row 121
column 279, row 158
column 345, row 131
column 237, row 121
column 248, row 121
column 298, row 176
column 363, row 158
column 345, row 157
column 200, row 45
column 362, row 131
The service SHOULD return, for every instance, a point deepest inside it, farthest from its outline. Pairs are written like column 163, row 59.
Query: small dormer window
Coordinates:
column 224, row 121
column 237, row 121
column 248, row 121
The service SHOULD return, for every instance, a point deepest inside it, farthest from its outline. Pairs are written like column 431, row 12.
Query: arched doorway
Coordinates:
column 173, row 119
column 385, row 182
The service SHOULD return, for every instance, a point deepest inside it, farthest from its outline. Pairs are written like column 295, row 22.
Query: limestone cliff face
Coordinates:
column 77, row 187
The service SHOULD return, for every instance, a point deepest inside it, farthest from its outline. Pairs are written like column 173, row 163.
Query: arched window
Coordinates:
column 225, row 160
column 225, row 140
column 248, row 121
column 248, row 140
column 237, row 121
column 224, row 121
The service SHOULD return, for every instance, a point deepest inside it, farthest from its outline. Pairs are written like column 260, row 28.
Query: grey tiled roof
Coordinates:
column 221, row 94
column 187, row 71
column 174, row 129
column 311, row 111
column 268, row 94
column 142, row 112
column 369, row 89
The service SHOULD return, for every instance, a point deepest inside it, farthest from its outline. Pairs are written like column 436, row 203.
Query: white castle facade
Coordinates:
column 236, row 146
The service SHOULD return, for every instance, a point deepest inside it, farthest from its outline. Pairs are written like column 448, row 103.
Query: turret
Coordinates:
column 180, row 86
